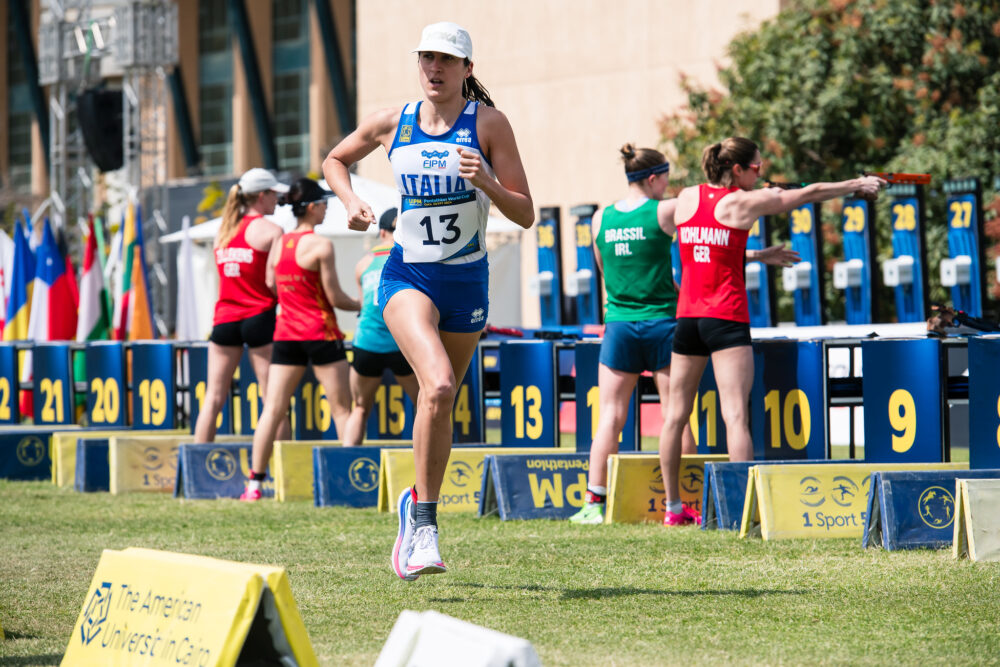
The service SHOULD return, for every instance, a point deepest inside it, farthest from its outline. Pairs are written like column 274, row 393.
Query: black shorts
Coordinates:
column 371, row 364
column 254, row 331
column 301, row 352
column 701, row 336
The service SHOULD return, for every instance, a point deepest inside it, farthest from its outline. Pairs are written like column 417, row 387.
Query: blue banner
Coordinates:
column 214, row 470
column 93, row 472
column 53, row 379
column 859, row 253
column 104, row 362
column 588, row 282
column 529, row 486
column 467, row 419
column 9, row 411
column 346, row 476
column 804, row 232
column 312, row 419
column 154, row 395
column 984, row 402
column 529, row 415
column 24, row 455
column 391, row 417
column 198, row 381
column 588, row 401
column 908, row 243
column 760, row 292
column 549, row 267
column 788, row 400
column 903, row 389
column 912, row 509
column 964, row 241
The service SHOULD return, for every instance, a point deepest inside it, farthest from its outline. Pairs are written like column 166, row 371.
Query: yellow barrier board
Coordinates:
column 817, row 501
column 62, row 450
column 148, row 607
column 977, row 521
column 148, row 462
column 635, row 486
column 292, row 465
column 463, row 480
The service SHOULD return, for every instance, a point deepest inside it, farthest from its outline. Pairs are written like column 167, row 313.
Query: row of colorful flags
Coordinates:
column 43, row 301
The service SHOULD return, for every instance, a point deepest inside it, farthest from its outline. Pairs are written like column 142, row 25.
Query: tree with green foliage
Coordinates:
column 831, row 88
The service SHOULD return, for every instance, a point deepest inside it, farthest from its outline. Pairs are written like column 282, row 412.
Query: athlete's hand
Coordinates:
column 777, row 255
column 359, row 216
column 470, row 167
column 868, row 187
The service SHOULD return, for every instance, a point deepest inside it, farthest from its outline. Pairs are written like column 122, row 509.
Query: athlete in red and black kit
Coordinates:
column 713, row 320
column 306, row 332
column 245, row 310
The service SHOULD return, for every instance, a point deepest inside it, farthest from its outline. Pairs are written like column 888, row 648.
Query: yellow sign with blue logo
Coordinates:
column 63, row 449
column 292, row 466
column 977, row 523
column 635, row 486
column 534, row 486
column 463, row 478
column 148, row 462
column 212, row 470
column 818, row 501
column 151, row 607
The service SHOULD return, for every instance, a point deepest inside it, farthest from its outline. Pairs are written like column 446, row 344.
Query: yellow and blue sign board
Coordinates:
column 914, row 508
column 635, row 486
column 150, row 607
column 977, row 522
column 207, row 471
column 347, row 476
column 63, row 448
column 93, row 473
column 814, row 501
column 463, row 478
column 903, row 388
column 24, row 454
column 533, row 486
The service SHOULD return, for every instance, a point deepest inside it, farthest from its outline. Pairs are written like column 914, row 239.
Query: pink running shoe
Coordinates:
column 249, row 496
column 686, row 516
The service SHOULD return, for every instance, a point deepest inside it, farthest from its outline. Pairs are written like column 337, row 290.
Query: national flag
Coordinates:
column 133, row 318
column 6, row 273
column 53, row 303
column 21, row 279
column 187, row 297
column 94, row 321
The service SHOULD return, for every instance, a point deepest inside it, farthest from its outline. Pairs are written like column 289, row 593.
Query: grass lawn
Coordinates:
column 594, row 595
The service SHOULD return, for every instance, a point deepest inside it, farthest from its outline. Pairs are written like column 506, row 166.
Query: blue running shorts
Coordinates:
column 459, row 291
column 634, row 347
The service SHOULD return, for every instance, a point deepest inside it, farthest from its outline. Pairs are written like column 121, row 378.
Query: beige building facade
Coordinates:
column 576, row 78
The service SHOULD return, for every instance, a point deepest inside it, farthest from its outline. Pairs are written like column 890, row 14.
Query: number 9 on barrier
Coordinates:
column 53, row 397
column 529, row 402
column 903, row 389
column 105, row 367
column 153, row 390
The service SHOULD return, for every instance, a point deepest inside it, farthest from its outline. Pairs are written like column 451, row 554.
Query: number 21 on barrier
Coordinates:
column 903, row 419
column 527, row 398
column 52, row 407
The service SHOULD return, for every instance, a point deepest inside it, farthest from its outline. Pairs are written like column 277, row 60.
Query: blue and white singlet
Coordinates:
column 443, row 217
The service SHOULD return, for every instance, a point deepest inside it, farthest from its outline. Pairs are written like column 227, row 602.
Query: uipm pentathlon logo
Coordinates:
column 221, row 464
column 96, row 613
column 936, row 507
column 363, row 473
column 30, row 451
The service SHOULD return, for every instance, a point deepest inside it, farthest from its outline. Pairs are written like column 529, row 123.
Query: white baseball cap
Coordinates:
column 446, row 37
column 259, row 180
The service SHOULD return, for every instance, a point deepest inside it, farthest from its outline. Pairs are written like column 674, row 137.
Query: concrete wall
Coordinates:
column 576, row 78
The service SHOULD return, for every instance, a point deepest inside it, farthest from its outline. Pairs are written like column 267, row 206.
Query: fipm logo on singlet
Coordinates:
column 231, row 258
column 701, row 238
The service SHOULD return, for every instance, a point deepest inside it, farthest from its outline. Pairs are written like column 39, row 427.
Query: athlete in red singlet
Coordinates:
column 305, row 276
column 712, row 223
column 244, row 312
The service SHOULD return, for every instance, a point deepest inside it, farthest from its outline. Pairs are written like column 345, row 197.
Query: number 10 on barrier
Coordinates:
column 529, row 399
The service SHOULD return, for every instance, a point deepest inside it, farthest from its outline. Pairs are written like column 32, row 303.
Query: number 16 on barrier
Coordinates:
column 529, row 401
column 903, row 392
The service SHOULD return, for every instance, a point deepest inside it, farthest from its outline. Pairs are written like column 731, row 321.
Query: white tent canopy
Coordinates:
column 379, row 196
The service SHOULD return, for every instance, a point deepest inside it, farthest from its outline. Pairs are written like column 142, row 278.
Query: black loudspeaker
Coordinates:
column 100, row 115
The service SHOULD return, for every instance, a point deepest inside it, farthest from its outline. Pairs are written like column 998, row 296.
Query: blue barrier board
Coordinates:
column 214, row 470
column 93, row 472
column 533, row 486
column 912, row 509
column 725, row 490
column 25, row 454
column 346, row 476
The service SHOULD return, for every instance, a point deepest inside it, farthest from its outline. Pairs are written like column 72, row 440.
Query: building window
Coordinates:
column 215, row 87
column 291, row 84
column 19, row 117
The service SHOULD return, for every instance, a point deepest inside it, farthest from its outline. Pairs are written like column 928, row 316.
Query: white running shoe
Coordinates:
column 425, row 559
column 404, row 540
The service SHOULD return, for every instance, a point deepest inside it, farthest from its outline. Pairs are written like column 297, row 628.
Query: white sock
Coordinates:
column 599, row 490
column 675, row 506
column 253, row 485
